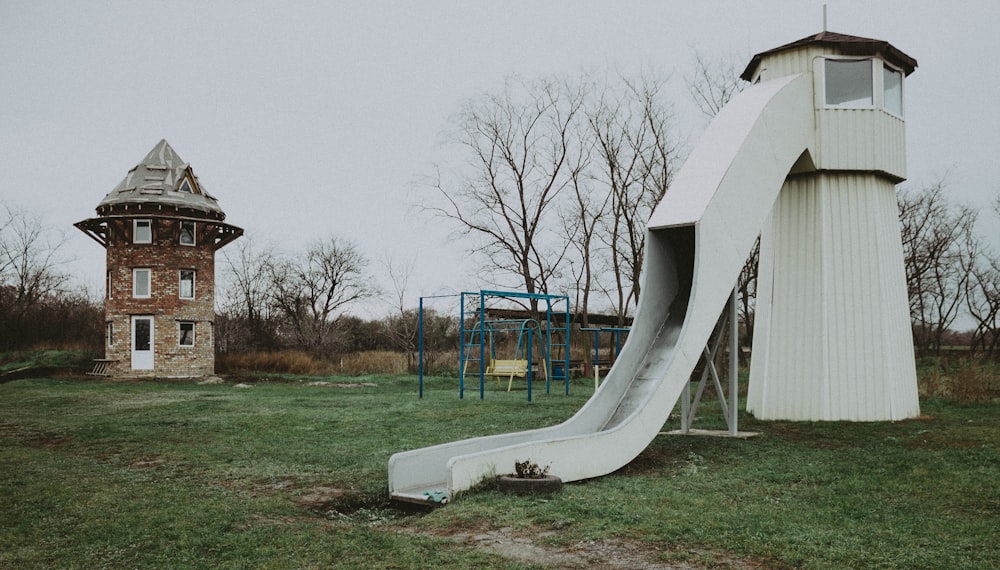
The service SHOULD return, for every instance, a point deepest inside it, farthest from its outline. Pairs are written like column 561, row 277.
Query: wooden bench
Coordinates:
column 102, row 367
column 508, row 368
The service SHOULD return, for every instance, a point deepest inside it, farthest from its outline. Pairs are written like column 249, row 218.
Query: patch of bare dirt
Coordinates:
column 147, row 463
column 320, row 498
column 324, row 384
column 32, row 437
column 609, row 554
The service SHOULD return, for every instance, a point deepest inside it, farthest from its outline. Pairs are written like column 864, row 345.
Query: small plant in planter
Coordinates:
column 528, row 478
column 528, row 469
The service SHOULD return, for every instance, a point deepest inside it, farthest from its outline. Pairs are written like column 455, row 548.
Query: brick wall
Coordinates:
column 165, row 257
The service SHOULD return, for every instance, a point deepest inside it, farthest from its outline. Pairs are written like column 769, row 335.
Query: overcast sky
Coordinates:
column 307, row 119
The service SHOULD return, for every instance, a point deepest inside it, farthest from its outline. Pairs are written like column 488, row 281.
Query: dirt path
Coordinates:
column 610, row 554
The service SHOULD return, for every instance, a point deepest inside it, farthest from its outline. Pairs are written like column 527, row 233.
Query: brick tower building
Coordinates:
column 161, row 230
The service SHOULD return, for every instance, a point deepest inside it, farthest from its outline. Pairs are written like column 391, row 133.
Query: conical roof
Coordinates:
column 847, row 44
column 163, row 178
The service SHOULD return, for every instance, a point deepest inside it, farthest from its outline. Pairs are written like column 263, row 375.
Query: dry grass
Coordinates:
column 372, row 362
column 963, row 381
column 283, row 362
column 302, row 363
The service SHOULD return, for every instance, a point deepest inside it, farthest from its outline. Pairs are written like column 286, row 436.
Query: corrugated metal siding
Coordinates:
column 793, row 61
column 832, row 338
column 861, row 139
column 847, row 139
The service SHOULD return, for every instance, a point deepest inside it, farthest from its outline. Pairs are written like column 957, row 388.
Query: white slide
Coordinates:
column 697, row 241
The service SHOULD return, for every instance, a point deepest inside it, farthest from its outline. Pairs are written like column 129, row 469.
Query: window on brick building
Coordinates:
column 187, row 233
column 142, row 231
column 186, row 288
column 111, row 334
column 185, row 334
column 108, row 285
column 141, row 283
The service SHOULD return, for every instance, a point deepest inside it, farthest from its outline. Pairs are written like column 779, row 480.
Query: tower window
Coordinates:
column 849, row 83
column 187, row 233
column 185, row 334
column 186, row 288
column 892, row 84
column 142, row 231
column 185, row 187
column 141, row 283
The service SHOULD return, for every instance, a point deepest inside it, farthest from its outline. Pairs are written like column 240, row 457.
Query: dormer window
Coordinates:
column 849, row 83
column 185, row 187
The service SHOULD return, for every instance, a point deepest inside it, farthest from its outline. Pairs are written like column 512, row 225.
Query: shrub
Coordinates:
column 281, row 362
column 963, row 381
column 372, row 362
column 302, row 363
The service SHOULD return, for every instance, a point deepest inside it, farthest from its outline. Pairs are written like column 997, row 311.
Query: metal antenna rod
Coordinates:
column 824, row 17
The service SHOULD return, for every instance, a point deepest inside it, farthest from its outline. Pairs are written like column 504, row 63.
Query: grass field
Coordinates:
column 98, row 474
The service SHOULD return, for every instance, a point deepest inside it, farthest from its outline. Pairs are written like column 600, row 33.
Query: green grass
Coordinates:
column 98, row 474
column 44, row 358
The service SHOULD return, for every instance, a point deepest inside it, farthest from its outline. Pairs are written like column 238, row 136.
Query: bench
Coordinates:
column 102, row 367
column 508, row 368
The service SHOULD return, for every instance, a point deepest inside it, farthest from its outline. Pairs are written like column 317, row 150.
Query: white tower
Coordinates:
column 832, row 337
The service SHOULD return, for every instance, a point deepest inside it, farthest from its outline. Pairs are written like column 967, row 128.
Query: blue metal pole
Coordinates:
column 547, row 355
column 597, row 351
column 529, row 364
column 420, row 342
column 566, row 346
column 482, row 345
column 461, row 349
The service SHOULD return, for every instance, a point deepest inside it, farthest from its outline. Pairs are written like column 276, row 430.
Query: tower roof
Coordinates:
column 849, row 45
column 163, row 178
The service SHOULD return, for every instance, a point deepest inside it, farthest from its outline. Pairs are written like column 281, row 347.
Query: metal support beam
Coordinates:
column 734, row 366
column 730, row 403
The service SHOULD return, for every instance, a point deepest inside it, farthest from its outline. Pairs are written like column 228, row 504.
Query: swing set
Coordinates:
column 498, row 334
column 508, row 347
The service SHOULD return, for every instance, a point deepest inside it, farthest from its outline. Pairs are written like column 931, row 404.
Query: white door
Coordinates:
column 142, row 343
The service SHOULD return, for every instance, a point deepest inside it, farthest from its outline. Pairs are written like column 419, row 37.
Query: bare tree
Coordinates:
column 245, row 300
column 311, row 290
column 519, row 146
column 636, row 155
column 713, row 83
column 746, row 293
column 29, row 255
column 939, row 248
column 983, row 303
column 401, row 327
column 983, row 295
column 580, row 222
